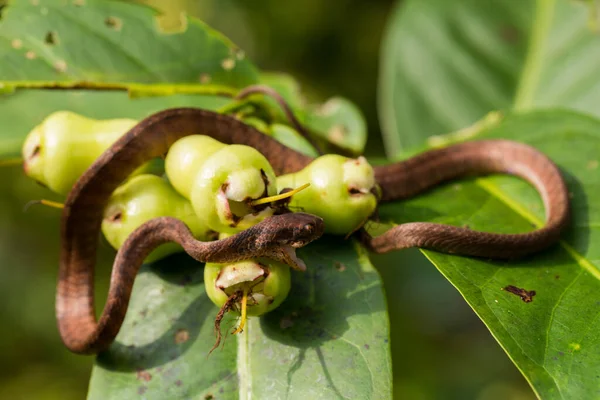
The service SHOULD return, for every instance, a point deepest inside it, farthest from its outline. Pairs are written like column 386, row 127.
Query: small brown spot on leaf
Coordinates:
column 337, row 133
column 143, row 375
column 51, row 38
column 178, row 382
column 204, row 78
column 556, row 276
column 228, row 64
column 182, row 336
column 16, row 44
column 366, row 346
column 339, row 266
column 330, row 107
column 60, row 66
column 114, row 23
column 509, row 34
column 525, row 295
column 79, row 3
column 593, row 164
column 209, row 397
column 30, row 55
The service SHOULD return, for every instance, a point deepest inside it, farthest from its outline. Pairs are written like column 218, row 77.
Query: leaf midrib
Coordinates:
column 528, row 82
column 523, row 212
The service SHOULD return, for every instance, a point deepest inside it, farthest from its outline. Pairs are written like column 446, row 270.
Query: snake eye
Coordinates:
column 309, row 228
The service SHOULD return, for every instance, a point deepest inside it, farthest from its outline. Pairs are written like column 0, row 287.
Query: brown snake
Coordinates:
column 275, row 237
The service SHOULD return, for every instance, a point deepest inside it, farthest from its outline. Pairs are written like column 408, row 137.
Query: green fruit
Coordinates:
column 185, row 158
column 59, row 150
column 227, row 183
column 141, row 199
column 266, row 281
column 341, row 191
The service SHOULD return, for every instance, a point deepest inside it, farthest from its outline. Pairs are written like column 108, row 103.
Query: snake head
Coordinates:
column 292, row 231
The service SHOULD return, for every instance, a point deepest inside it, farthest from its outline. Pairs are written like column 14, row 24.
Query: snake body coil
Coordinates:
column 275, row 237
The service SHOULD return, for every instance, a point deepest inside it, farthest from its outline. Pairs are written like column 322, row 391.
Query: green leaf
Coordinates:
column 53, row 42
column 340, row 122
column 554, row 340
column 293, row 139
column 328, row 339
column 337, row 121
column 446, row 64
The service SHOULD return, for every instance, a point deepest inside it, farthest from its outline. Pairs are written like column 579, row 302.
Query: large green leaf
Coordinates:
column 554, row 340
column 329, row 339
column 445, row 64
column 103, row 43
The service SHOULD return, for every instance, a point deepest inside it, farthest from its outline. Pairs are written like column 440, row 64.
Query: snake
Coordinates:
column 278, row 236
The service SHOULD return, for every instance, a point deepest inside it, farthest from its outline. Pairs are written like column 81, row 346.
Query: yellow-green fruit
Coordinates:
column 65, row 144
column 185, row 158
column 341, row 191
column 141, row 199
column 226, row 184
column 266, row 281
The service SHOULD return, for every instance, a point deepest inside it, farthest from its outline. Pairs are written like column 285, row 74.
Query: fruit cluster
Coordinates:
column 215, row 189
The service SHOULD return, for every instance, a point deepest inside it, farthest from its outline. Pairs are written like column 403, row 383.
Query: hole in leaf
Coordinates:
column 51, row 38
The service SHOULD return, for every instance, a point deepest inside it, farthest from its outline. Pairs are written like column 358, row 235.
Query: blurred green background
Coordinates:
column 441, row 350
